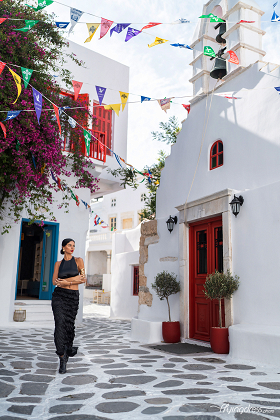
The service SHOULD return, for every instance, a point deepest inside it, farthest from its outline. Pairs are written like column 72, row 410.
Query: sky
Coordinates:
column 157, row 72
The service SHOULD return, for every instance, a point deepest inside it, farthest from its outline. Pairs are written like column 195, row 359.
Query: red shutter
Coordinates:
column 103, row 125
column 135, row 280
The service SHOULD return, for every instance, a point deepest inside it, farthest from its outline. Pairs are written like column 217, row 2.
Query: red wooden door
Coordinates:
column 206, row 256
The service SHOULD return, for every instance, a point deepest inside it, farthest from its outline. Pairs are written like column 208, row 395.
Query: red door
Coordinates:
column 206, row 256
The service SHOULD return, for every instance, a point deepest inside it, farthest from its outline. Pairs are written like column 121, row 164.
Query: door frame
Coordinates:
column 207, row 207
column 53, row 256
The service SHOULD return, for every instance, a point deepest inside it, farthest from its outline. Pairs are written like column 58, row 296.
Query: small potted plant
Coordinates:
column 220, row 286
column 166, row 285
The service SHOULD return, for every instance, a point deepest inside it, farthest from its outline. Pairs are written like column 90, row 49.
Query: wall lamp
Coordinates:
column 235, row 204
column 170, row 223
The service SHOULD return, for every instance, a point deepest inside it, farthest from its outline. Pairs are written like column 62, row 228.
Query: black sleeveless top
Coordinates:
column 68, row 269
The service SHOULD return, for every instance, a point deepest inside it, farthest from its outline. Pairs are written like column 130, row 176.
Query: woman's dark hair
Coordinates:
column 65, row 242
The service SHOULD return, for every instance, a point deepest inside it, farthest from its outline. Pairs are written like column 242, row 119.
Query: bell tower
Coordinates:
column 244, row 39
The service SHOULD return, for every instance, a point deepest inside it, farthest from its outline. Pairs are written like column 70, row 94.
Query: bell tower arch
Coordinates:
column 245, row 39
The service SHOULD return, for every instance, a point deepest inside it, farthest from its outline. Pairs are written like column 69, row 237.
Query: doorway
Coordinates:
column 206, row 256
column 37, row 256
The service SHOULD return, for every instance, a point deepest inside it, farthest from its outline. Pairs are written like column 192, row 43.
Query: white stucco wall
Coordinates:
column 125, row 254
column 97, row 262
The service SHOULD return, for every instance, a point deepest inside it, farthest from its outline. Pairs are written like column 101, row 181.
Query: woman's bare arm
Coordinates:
column 55, row 272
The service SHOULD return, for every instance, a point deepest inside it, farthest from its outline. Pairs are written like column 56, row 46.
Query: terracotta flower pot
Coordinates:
column 219, row 340
column 171, row 332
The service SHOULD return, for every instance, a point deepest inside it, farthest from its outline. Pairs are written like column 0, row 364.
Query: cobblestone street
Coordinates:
column 113, row 377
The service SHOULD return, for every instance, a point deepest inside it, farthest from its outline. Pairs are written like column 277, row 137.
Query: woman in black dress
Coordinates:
column 68, row 274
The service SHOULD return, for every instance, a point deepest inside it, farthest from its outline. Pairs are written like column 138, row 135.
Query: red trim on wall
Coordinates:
column 135, row 280
column 216, row 155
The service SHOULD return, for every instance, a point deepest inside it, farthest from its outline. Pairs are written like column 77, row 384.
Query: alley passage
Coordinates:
column 113, row 377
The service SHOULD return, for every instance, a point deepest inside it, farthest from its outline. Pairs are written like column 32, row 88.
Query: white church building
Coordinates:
column 28, row 253
column 226, row 148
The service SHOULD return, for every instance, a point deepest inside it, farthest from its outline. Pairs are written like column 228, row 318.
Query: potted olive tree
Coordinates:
column 219, row 286
column 166, row 285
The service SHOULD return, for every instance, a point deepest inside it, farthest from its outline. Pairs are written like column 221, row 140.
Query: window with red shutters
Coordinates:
column 135, row 280
column 103, row 125
column 216, row 155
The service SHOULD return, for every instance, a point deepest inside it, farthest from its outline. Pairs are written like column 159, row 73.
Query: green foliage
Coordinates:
column 128, row 176
column 219, row 286
column 169, row 131
column 166, row 285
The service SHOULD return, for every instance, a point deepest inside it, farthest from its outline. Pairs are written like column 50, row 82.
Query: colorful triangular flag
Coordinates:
column 275, row 17
column 62, row 25
column 164, row 103
column 216, row 19
column 92, row 28
column 114, row 107
column 157, row 41
column 56, row 110
column 2, row 20
column 181, row 46
column 26, row 74
column 105, row 26
column 124, row 98
column 17, row 80
column 233, row 57
column 87, row 137
column 28, row 25
column 150, row 25
column 75, row 16
column 209, row 51
column 278, row 89
column 119, row 28
column 72, row 122
column 2, row 66
column 11, row 115
column 100, row 93
column 4, row 129
column 131, row 33
column 207, row 16
column 41, row 4
column 38, row 102
column 187, row 107
column 77, row 88
column 145, row 98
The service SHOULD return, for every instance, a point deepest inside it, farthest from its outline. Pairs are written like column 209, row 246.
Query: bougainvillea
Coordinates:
column 31, row 150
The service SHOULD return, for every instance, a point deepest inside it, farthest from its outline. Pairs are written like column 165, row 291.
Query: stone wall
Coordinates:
column 148, row 236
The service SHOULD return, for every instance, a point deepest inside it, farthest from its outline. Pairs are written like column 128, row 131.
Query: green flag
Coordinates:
column 28, row 25
column 17, row 145
column 87, row 137
column 72, row 194
column 26, row 74
column 207, row 16
column 216, row 19
column 209, row 51
column 41, row 4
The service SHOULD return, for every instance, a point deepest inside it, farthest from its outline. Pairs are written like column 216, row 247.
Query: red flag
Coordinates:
column 150, row 25
column 105, row 26
column 77, row 87
column 2, row 19
column 2, row 66
column 77, row 201
column 246, row 21
column 187, row 107
column 4, row 129
column 233, row 57
column 59, row 183
column 57, row 117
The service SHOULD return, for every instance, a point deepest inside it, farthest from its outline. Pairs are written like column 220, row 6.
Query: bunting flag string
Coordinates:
column 157, row 41
column 28, row 25
column 119, row 28
column 17, row 80
column 131, row 33
column 26, row 74
column 92, row 28
column 41, row 4
column 77, row 88
column 75, row 16
column 187, row 107
column 56, row 110
column 38, row 103
column 100, row 93
column 124, row 98
column 11, row 115
column 105, row 26
column 4, row 129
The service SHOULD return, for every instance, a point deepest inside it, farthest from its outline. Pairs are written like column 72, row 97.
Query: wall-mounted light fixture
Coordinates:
column 170, row 223
column 235, row 204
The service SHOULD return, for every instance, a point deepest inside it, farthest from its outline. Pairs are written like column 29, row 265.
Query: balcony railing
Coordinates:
column 100, row 237
column 96, row 150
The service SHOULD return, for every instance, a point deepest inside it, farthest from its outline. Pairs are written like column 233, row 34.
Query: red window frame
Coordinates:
column 216, row 155
column 135, row 280
column 104, row 121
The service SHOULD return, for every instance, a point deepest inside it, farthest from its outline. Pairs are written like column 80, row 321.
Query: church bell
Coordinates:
column 222, row 30
column 220, row 69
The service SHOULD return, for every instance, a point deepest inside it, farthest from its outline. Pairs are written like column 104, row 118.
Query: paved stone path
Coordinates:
column 114, row 377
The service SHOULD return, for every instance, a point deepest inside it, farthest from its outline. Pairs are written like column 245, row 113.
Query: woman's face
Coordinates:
column 69, row 248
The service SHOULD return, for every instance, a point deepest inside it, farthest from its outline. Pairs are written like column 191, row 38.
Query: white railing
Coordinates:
column 100, row 237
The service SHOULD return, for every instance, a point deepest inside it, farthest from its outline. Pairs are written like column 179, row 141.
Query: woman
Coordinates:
column 65, row 301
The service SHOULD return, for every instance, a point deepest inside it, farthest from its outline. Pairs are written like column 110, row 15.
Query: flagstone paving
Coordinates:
column 114, row 377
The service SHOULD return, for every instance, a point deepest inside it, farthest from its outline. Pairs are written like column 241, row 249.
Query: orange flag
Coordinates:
column 77, row 87
column 56, row 110
column 233, row 57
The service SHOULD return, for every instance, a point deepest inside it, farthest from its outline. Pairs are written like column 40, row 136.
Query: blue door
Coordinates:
column 49, row 256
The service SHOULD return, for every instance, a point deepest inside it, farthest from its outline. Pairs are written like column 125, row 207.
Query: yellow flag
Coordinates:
column 92, row 28
column 124, row 98
column 158, row 41
column 114, row 107
column 17, row 79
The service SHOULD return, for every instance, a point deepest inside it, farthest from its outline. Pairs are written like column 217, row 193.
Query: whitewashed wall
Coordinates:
column 125, row 254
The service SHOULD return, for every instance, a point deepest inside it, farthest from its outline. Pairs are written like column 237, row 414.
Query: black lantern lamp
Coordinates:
column 235, row 204
column 170, row 223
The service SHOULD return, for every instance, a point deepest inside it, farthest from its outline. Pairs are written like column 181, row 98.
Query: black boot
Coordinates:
column 63, row 361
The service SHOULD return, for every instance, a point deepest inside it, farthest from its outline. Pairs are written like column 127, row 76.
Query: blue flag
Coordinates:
column 100, row 93
column 38, row 102
column 145, row 98
column 62, row 25
column 11, row 115
column 278, row 89
column 275, row 17
column 118, row 159
column 181, row 46
column 275, row 4
column 33, row 160
column 119, row 28
column 131, row 33
column 62, row 109
column 72, row 122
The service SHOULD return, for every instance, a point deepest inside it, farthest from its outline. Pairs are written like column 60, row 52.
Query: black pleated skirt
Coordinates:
column 65, row 304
